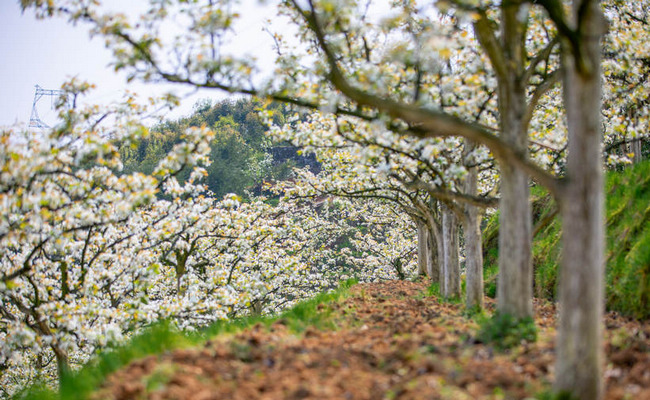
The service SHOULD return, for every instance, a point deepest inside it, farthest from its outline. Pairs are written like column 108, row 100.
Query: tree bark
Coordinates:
column 473, row 241
column 634, row 147
column 433, row 259
column 423, row 256
column 515, row 281
column 579, row 364
column 440, row 247
column 515, row 284
column 508, row 57
column 62, row 363
column 451, row 268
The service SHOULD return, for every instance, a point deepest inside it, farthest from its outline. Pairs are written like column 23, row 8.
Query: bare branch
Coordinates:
column 543, row 55
column 488, row 40
column 448, row 195
column 539, row 92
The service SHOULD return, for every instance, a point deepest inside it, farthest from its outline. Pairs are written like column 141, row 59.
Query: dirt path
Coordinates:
column 392, row 343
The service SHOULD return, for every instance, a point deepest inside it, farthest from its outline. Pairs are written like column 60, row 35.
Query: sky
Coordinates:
column 49, row 52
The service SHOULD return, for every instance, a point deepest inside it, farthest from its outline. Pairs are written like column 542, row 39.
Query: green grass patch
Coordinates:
column 550, row 395
column 155, row 339
column 503, row 331
column 433, row 290
column 163, row 336
column 315, row 312
column 476, row 313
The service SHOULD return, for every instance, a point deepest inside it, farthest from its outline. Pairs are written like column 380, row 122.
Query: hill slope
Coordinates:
column 628, row 243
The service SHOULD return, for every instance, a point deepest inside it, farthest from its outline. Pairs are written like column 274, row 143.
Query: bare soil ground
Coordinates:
column 392, row 343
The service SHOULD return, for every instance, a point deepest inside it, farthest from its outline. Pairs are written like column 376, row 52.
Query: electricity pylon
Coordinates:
column 34, row 120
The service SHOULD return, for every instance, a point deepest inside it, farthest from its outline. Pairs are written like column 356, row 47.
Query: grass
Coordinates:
column 628, row 233
column 155, row 339
column 627, row 279
column 162, row 337
column 475, row 313
column 433, row 290
column 503, row 331
column 550, row 395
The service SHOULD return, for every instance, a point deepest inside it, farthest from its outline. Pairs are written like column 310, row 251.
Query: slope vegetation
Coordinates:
column 628, row 243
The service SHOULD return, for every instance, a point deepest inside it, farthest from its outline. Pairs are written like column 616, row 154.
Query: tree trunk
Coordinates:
column 433, row 259
column 638, row 151
column 451, row 268
column 473, row 242
column 515, row 282
column 440, row 246
column 474, row 260
column 62, row 363
column 635, row 148
column 422, row 248
column 399, row 269
column 579, row 342
column 257, row 305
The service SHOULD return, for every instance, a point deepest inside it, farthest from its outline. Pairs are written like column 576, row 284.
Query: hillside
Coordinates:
column 241, row 154
column 373, row 341
column 628, row 243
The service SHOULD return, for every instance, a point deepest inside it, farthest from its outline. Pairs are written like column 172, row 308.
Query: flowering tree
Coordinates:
column 90, row 255
column 422, row 178
column 71, row 274
column 354, row 63
column 625, row 65
column 223, row 258
column 382, row 243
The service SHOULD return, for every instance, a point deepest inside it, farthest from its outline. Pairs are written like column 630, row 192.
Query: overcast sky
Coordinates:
column 49, row 52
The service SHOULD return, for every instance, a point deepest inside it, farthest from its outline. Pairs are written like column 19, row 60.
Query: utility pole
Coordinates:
column 34, row 120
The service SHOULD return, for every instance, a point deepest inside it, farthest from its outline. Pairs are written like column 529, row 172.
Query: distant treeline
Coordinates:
column 242, row 156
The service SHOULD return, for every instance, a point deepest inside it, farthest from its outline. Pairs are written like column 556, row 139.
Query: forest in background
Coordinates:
column 242, row 156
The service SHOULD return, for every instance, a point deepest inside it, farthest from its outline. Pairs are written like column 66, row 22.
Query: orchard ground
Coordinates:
column 378, row 341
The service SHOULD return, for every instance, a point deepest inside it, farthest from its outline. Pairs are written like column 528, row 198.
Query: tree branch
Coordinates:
column 488, row 40
column 448, row 195
column 543, row 55
column 430, row 123
column 539, row 92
